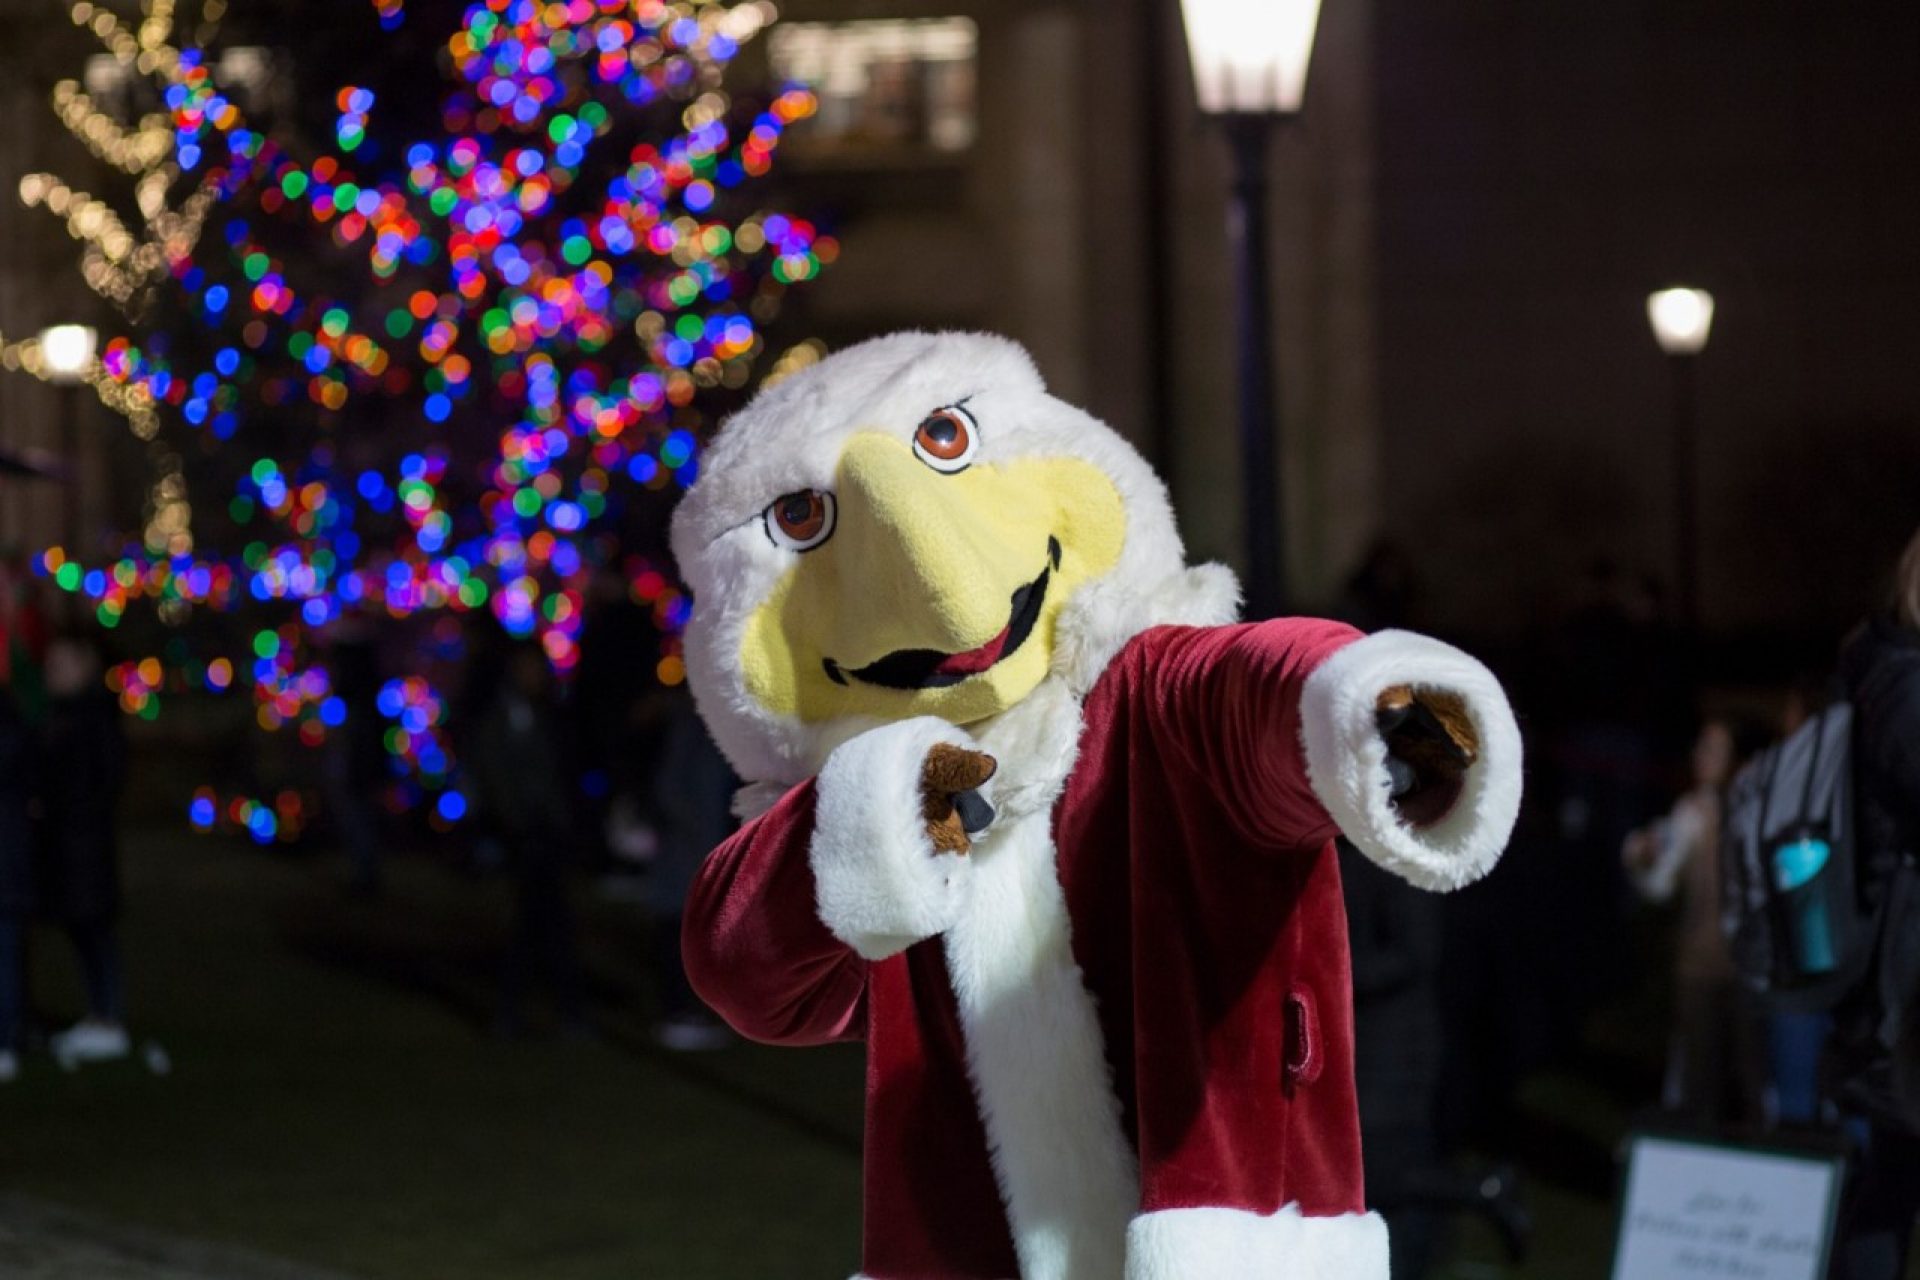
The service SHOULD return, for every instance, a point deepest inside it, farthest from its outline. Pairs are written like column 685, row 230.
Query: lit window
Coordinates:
column 904, row 85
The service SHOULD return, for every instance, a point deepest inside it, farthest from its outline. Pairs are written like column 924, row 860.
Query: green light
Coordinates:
column 264, row 470
column 294, row 185
column 255, row 265
column 68, row 574
column 526, row 504
column 266, row 644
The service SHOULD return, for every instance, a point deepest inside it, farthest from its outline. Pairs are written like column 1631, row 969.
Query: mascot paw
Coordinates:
column 1431, row 743
column 950, row 799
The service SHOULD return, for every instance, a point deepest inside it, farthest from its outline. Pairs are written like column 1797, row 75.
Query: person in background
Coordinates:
column 1714, row 1069
column 692, row 788
column 356, row 758
column 83, row 763
column 17, row 762
column 1876, row 1038
column 521, row 783
column 1395, row 934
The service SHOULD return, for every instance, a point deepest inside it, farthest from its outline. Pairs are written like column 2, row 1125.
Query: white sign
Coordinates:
column 1694, row 1210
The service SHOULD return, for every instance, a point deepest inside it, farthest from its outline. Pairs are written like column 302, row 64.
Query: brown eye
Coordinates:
column 800, row 521
column 946, row 439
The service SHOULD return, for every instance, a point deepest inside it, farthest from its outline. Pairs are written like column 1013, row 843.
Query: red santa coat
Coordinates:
column 1116, row 1040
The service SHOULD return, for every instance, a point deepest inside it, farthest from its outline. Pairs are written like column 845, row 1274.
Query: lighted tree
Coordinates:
column 410, row 377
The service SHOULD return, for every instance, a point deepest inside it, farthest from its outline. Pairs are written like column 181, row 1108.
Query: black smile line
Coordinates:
column 915, row 668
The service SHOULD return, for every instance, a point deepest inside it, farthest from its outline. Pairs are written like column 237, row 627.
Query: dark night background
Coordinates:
column 1466, row 221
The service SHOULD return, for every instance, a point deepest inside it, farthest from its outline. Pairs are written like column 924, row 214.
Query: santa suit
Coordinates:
column 1115, row 1041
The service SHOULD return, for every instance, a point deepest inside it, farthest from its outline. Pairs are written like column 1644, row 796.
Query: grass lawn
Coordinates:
column 333, row 1098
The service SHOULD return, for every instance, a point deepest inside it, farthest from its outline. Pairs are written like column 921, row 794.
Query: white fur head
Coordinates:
column 791, row 438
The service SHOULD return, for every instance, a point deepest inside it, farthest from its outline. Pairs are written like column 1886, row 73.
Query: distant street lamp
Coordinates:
column 66, row 352
column 1681, row 320
column 1250, row 72
column 66, row 355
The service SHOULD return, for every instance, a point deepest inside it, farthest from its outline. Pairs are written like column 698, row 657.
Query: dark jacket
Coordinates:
column 1879, row 1031
column 18, row 761
column 83, row 759
column 516, row 766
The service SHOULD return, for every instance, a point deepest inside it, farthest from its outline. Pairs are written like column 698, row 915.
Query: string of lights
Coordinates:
column 553, row 286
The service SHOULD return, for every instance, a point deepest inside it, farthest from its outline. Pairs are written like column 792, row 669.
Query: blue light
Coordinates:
column 452, row 806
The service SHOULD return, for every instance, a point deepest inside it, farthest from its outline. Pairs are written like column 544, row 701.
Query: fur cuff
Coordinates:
column 1233, row 1244
column 1347, row 758
column 881, row 886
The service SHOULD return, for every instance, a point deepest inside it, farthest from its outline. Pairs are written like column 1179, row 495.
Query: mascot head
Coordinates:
column 915, row 527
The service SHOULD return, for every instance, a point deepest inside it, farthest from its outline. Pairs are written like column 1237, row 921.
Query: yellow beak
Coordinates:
column 923, row 560
column 927, row 563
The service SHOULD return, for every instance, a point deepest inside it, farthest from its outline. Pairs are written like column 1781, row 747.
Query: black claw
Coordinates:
column 833, row 671
column 976, row 815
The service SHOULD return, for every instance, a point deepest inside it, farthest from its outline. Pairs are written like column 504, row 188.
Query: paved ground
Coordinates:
column 39, row 1241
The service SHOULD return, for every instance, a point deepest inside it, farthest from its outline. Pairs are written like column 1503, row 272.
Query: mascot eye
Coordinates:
column 947, row 439
column 800, row 521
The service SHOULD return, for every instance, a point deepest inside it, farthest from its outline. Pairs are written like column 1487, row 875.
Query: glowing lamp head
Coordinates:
column 66, row 351
column 1681, row 319
column 1250, row 56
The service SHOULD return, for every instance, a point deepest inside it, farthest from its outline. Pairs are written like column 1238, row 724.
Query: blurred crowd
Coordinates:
column 62, row 763
column 1615, row 902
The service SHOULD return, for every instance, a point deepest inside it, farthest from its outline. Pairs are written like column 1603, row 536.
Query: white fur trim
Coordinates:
column 881, row 886
column 1232, row 1244
column 1097, row 623
column 1037, row 1059
column 1347, row 758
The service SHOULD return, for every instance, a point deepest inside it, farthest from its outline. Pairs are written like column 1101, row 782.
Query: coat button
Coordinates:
column 1304, row 1057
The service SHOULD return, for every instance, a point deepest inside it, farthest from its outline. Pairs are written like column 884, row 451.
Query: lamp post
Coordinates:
column 1250, row 72
column 66, row 356
column 1681, row 319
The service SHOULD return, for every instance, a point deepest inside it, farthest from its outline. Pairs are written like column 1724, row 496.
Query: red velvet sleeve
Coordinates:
column 1228, row 699
column 752, row 939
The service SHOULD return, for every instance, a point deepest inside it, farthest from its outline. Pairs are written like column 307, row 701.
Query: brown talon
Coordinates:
column 948, row 770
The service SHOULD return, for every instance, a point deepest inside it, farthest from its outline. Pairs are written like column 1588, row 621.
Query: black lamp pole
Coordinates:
column 1686, row 429
column 70, row 533
column 1248, row 134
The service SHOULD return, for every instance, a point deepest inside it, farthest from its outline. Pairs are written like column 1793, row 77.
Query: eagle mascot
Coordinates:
column 1030, row 814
